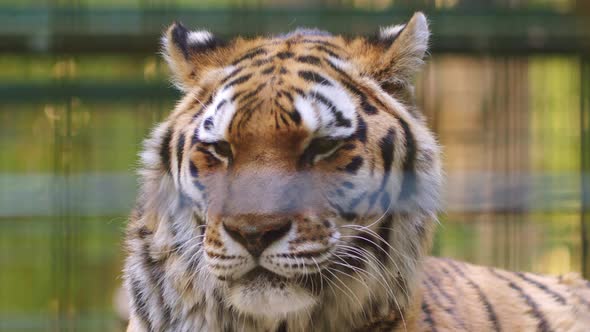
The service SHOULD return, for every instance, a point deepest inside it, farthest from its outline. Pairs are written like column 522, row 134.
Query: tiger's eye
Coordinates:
column 319, row 147
column 223, row 149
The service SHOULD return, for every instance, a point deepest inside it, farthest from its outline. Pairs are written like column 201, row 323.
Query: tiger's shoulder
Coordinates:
column 457, row 296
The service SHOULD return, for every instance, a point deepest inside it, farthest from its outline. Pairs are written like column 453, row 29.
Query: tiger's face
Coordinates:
column 282, row 159
column 306, row 172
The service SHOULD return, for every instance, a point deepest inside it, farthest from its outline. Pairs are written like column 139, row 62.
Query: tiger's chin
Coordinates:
column 264, row 294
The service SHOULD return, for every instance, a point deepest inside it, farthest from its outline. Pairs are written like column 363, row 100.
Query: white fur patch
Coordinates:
column 216, row 119
column 229, row 69
column 326, row 118
column 309, row 116
column 339, row 63
column 198, row 37
column 260, row 298
column 391, row 31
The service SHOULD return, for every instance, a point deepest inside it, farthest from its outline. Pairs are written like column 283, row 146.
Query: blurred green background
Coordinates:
column 506, row 89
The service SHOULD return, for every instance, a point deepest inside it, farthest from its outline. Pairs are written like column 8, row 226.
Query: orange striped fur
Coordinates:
column 295, row 188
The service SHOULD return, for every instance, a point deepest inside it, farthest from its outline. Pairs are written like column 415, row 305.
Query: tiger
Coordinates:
column 295, row 187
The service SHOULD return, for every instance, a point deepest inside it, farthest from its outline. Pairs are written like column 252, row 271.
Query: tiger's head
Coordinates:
column 294, row 173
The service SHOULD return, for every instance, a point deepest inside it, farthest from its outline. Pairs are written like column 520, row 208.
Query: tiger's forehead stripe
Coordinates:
column 250, row 55
column 325, row 107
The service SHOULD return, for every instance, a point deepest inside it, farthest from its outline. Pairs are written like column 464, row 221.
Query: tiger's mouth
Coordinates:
column 261, row 292
column 262, row 275
column 263, row 278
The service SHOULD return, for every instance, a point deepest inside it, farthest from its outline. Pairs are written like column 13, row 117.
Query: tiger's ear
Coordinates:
column 396, row 54
column 189, row 54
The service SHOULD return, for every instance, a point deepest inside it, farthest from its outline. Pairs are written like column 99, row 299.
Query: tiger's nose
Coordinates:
column 258, row 235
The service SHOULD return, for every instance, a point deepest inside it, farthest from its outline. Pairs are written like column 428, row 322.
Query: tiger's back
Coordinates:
column 459, row 296
column 456, row 296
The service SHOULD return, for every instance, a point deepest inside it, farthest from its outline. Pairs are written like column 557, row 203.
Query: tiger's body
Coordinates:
column 456, row 296
column 295, row 188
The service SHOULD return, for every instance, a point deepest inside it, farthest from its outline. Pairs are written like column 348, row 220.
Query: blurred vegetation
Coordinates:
column 560, row 5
